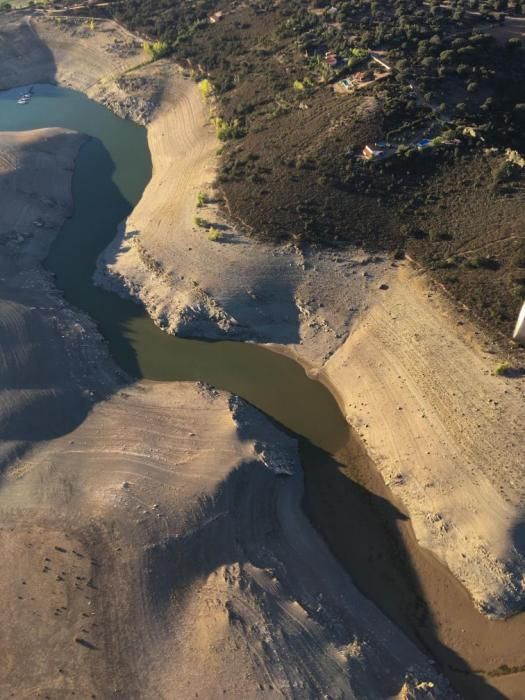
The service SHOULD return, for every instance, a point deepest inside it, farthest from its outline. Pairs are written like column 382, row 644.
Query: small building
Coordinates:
column 371, row 152
column 330, row 58
column 216, row 17
column 424, row 143
column 519, row 330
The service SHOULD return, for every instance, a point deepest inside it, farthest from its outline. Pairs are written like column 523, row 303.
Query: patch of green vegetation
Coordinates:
column 233, row 129
column 357, row 56
column 202, row 199
column 200, row 222
column 482, row 262
column 502, row 369
column 157, row 49
column 205, row 88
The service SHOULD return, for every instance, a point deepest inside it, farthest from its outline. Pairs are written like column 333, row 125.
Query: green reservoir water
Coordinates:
column 111, row 172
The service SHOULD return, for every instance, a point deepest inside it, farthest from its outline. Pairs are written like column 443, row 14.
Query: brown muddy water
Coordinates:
column 344, row 495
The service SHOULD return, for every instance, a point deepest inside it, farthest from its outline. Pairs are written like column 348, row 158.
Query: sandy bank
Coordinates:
column 183, row 564
column 444, row 431
column 46, row 352
column 38, row 50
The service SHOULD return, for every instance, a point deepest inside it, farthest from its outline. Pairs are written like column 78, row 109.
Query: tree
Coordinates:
column 423, row 48
column 446, row 56
column 357, row 57
column 428, row 63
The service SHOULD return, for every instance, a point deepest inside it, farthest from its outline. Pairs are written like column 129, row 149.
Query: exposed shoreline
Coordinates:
column 315, row 350
column 135, row 483
column 96, row 519
column 315, row 304
column 491, row 572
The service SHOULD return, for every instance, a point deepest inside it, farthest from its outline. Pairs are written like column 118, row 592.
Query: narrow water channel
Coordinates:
column 344, row 496
column 111, row 172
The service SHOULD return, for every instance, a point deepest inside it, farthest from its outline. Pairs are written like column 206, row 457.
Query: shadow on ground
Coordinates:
column 362, row 530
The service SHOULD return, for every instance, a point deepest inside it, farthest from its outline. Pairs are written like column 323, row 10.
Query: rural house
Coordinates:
column 371, row 152
column 331, row 59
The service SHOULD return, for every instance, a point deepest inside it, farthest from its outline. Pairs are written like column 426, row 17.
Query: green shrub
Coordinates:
column 357, row 57
column 202, row 199
column 229, row 130
column 214, row 234
column 157, row 49
column 483, row 263
column 199, row 221
column 502, row 369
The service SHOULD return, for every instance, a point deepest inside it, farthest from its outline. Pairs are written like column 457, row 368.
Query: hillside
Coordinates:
column 299, row 89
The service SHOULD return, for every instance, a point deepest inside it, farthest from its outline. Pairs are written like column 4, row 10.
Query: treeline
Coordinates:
column 166, row 20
